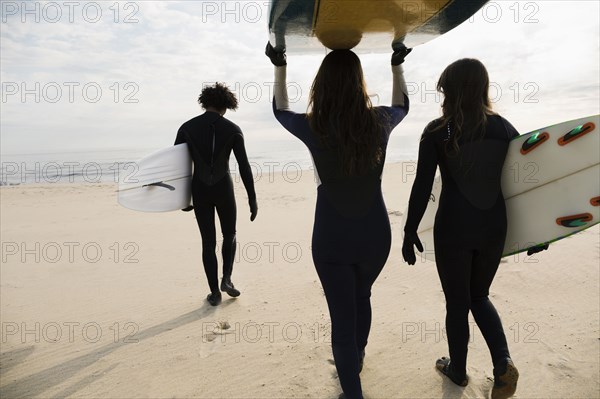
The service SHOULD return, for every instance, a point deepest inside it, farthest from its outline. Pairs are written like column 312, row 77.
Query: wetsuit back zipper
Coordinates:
column 212, row 156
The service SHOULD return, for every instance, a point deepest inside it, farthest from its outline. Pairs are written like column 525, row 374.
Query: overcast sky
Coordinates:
column 87, row 76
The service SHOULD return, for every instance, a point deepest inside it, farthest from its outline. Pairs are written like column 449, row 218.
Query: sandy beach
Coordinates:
column 98, row 301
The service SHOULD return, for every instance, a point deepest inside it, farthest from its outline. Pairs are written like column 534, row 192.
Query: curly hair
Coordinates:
column 218, row 96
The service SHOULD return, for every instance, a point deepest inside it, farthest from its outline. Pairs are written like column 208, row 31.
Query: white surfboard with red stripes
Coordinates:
column 551, row 184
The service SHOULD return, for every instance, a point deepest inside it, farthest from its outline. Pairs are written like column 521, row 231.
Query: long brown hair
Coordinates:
column 465, row 85
column 341, row 113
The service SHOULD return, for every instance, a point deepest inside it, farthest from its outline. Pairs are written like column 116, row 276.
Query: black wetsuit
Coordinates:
column 210, row 138
column 350, row 243
column 469, row 230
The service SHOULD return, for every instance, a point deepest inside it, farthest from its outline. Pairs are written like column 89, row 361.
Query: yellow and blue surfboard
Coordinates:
column 367, row 25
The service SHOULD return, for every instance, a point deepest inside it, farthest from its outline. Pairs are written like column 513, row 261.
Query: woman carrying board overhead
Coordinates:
column 347, row 138
column 211, row 138
column 469, row 144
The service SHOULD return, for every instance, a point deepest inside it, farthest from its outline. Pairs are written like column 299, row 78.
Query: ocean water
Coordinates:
column 110, row 165
column 94, row 167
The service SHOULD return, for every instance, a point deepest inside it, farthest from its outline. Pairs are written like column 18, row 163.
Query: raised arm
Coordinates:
column 293, row 122
column 399, row 90
column 279, row 60
column 400, row 102
column 280, row 94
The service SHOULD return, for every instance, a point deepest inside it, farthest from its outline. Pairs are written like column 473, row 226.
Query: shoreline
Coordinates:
column 288, row 172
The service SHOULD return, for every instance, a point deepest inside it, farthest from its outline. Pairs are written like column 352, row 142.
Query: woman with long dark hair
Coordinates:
column 347, row 138
column 469, row 144
column 211, row 138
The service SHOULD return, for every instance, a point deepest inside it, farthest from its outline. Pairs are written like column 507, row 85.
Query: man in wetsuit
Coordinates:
column 211, row 138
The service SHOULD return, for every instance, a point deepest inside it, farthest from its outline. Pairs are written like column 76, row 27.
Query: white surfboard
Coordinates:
column 551, row 184
column 160, row 182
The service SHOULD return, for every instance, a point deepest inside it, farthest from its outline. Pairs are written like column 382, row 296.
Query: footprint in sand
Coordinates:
column 219, row 334
column 210, row 337
column 219, row 331
column 224, row 325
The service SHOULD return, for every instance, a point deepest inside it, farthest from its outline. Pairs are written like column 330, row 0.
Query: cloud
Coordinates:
column 151, row 70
